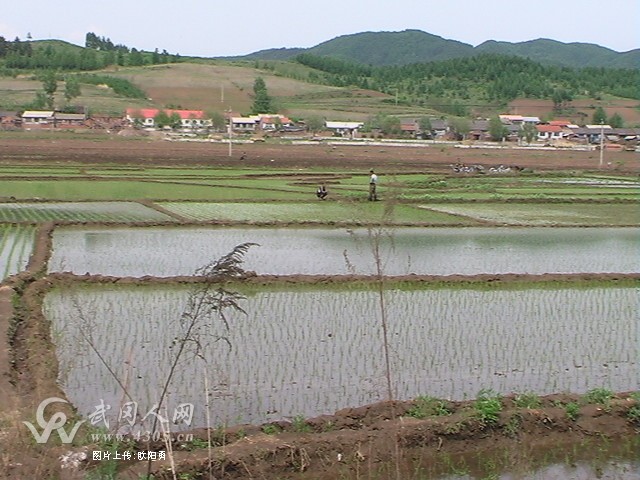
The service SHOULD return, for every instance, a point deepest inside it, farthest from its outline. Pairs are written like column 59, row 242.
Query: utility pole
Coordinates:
column 230, row 130
column 601, row 144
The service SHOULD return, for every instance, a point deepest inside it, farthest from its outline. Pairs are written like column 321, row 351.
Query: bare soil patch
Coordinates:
column 147, row 152
column 582, row 109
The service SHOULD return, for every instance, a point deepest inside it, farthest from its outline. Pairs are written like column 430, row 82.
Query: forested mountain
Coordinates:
column 454, row 85
column 569, row 54
column 415, row 46
column 485, row 78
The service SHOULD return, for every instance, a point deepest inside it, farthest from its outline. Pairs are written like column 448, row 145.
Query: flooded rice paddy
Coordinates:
column 16, row 244
column 79, row 212
column 168, row 251
column 313, row 351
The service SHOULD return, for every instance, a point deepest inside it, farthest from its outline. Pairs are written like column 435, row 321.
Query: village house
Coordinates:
column 344, row 129
column 548, row 133
column 36, row 118
column 189, row 119
column 9, row 120
column 409, row 127
column 243, row 124
column 479, row 130
column 69, row 120
column 272, row 123
column 518, row 119
column 439, row 128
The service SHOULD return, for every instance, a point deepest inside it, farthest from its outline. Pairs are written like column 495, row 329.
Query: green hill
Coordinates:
column 552, row 52
column 415, row 46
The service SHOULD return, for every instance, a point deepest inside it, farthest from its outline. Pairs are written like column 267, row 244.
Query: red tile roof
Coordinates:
column 152, row 112
column 548, row 128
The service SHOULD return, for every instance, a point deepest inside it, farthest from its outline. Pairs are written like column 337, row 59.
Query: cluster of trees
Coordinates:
column 95, row 42
column 72, row 87
column 16, row 47
column 100, row 53
column 46, row 97
column 120, row 86
column 491, row 78
column 600, row 117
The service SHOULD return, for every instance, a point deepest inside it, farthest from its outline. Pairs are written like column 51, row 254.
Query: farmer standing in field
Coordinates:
column 373, row 183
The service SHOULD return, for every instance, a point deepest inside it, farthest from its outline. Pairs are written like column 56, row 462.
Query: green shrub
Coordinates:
column 271, row 429
column 426, row 406
column 488, row 406
column 572, row 409
column 300, row 425
column 633, row 413
column 601, row 396
column 527, row 400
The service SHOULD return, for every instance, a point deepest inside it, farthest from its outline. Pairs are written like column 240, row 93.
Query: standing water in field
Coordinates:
column 16, row 245
column 424, row 251
column 307, row 352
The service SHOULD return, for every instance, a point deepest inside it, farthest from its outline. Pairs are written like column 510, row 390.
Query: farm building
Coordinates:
column 32, row 118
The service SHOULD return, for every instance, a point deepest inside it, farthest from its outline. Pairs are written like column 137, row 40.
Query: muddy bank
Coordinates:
column 66, row 279
column 394, row 437
column 28, row 367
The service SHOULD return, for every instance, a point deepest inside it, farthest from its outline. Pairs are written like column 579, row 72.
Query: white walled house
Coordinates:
column 36, row 117
column 189, row 119
column 344, row 129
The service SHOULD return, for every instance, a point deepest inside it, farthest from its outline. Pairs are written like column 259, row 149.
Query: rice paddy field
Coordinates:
column 70, row 212
column 335, row 287
column 447, row 342
column 16, row 244
column 179, row 251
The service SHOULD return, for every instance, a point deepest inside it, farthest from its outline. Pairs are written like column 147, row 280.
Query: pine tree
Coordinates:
column 261, row 99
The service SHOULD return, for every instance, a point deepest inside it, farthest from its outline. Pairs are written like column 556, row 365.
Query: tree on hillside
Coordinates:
column 135, row 58
column 71, row 88
column 50, row 85
column 497, row 129
column 616, row 121
column 599, row 116
column 261, row 98
column 561, row 99
column 4, row 47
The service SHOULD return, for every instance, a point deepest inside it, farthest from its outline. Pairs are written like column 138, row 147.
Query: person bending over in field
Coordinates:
column 322, row 193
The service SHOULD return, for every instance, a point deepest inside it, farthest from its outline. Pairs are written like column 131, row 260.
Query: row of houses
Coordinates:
column 39, row 119
column 479, row 129
column 514, row 125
